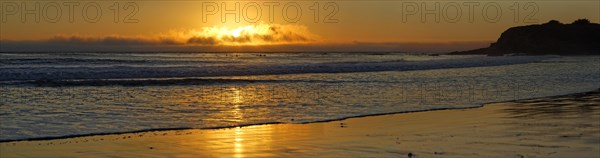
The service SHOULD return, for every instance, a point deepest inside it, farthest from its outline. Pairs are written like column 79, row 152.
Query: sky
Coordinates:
column 349, row 25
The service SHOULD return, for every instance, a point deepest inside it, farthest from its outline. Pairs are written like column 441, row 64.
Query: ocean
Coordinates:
column 48, row 95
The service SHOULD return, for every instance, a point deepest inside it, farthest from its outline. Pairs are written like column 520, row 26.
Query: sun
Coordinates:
column 236, row 33
column 248, row 30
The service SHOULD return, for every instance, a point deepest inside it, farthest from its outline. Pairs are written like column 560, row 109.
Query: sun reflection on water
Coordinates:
column 236, row 100
column 236, row 97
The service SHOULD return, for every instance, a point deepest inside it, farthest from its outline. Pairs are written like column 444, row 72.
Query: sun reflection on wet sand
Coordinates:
column 238, row 144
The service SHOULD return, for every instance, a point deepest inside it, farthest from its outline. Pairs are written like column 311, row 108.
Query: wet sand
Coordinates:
column 563, row 126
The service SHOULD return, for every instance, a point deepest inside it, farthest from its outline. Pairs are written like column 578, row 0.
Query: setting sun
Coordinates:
column 236, row 33
column 250, row 30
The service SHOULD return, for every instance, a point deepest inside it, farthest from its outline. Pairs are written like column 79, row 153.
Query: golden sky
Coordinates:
column 191, row 22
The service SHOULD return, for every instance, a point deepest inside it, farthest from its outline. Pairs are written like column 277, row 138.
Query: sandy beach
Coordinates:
column 305, row 79
column 563, row 126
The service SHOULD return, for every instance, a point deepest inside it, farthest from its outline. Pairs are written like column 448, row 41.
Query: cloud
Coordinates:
column 143, row 45
column 108, row 40
column 203, row 40
column 271, row 38
column 259, row 34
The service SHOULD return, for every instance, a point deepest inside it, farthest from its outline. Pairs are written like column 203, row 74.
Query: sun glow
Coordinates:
column 257, row 34
column 250, row 30
column 227, row 32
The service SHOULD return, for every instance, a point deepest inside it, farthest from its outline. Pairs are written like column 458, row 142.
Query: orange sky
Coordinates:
column 356, row 21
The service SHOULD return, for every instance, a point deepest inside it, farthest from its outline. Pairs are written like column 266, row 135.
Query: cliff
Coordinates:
column 578, row 38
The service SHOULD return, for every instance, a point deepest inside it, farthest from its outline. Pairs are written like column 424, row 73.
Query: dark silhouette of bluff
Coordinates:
column 578, row 38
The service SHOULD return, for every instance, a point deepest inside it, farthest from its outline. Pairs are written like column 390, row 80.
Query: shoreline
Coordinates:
column 558, row 126
column 276, row 123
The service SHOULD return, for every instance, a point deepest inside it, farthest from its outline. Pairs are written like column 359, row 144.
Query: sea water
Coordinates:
column 45, row 95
